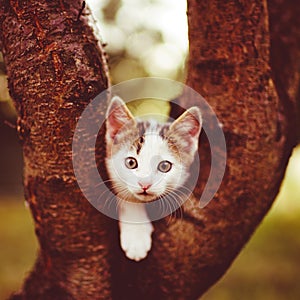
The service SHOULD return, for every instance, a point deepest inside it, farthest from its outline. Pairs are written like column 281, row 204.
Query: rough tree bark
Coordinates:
column 230, row 64
column 55, row 67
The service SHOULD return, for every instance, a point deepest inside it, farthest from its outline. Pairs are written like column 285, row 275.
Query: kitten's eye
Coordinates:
column 164, row 166
column 131, row 163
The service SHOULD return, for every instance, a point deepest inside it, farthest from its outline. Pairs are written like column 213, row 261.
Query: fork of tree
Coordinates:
column 244, row 59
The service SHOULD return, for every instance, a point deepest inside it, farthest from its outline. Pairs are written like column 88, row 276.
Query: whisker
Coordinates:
column 161, row 204
column 109, row 201
column 175, row 203
column 169, row 217
column 102, row 195
column 169, row 203
column 103, row 182
column 179, row 208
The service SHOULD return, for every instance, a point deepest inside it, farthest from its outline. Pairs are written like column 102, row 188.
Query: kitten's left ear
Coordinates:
column 117, row 116
column 188, row 127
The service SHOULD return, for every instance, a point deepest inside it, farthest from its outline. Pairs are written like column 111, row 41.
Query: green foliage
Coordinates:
column 268, row 268
column 18, row 244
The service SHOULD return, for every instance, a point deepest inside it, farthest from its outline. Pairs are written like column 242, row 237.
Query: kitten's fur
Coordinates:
column 145, row 160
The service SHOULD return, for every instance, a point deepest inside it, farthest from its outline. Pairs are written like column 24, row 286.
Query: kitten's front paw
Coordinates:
column 136, row 240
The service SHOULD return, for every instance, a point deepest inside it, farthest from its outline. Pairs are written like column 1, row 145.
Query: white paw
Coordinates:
column 136, row 240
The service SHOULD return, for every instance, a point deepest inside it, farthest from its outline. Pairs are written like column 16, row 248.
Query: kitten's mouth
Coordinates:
column 145, row 196
column 143, row 193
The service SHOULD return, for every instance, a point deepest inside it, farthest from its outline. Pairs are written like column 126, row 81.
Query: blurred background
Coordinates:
column 149, row 38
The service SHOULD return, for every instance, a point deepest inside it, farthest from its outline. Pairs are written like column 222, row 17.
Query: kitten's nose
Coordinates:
column 144, row 186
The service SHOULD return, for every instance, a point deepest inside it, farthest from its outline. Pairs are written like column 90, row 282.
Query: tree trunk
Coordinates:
column 55, row 67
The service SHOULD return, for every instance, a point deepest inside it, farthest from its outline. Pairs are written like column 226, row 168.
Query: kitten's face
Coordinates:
column 146, row 160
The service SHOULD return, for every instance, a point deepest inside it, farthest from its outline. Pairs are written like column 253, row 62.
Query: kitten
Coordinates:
column 146, row 160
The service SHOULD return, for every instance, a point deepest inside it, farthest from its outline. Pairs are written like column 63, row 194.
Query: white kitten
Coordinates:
column 145, row 161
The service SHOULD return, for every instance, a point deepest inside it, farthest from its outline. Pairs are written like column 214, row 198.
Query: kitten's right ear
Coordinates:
column 117, row 116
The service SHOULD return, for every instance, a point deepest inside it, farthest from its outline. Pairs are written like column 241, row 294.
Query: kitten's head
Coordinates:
column 145, row 159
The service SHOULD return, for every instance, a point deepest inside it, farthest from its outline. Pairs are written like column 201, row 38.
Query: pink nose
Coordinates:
column 144, row 186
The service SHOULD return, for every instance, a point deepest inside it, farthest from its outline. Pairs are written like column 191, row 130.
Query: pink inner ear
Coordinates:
column 117, row 117
column 114, row 124
column 194, row 130
column 193, row 124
